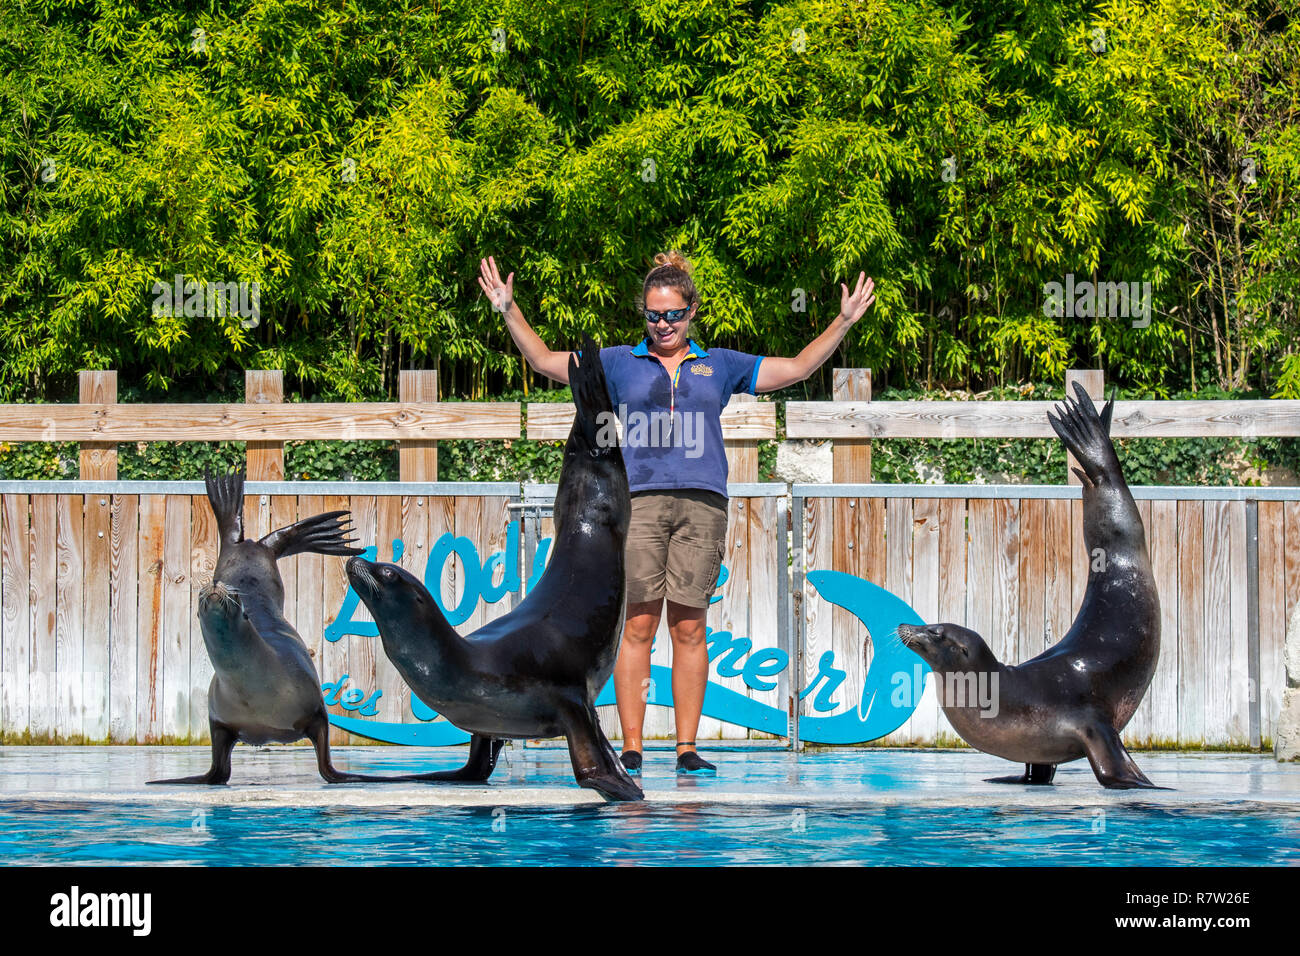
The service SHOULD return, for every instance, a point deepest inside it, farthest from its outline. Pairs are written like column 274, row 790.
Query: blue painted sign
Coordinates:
column 891, row 688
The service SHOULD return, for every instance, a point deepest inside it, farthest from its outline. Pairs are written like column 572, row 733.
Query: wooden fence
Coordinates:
column 98, row 578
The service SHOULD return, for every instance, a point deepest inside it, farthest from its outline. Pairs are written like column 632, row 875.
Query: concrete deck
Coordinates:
column 542, row 776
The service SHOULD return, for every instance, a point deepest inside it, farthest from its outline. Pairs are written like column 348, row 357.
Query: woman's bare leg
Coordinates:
column 632, row 669
column 690, row 669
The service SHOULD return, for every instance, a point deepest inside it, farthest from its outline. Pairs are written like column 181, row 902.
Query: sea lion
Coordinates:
column 264, row 684
column 536, row 671
column 1072, row 700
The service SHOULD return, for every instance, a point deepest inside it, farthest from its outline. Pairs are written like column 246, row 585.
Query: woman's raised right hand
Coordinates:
column 500, row 294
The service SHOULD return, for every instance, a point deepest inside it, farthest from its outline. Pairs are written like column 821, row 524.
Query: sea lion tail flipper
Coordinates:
column 1087, row 436
column 591, row 397
column 226, row 496
column 320, row 534
column 1110, row 761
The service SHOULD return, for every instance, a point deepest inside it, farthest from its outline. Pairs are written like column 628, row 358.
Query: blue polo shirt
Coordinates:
column 671, row 425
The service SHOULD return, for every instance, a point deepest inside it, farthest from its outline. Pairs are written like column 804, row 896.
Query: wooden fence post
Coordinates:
column 265, row 459
column 417, row 459
column 742, row 453
column 851, row 457
column 1094, row 382
column 98, row 459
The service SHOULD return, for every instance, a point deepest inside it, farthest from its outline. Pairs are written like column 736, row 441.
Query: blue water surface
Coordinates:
column 643, row 835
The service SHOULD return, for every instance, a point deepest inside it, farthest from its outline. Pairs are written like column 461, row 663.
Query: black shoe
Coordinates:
column 631, row 761
column 691, row 762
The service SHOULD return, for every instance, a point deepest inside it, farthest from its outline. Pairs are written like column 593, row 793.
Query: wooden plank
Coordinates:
column 124, row 572
column 1272, row 618
column 1217, row 598
column 1006, row 579
column 551, row 421
column 96, row 550
column 264, row 459
column 819, row 519
column 15, row 613
column 979, row 566
column 1192, row 662
column 851, row 457
column 981, row 419
column 1032, row 590
column 952, row 561
column 284, row 512
column 765, row 579
column 469, row 517
column 1163, row 693
column 44, row 676
column 205, row 545
column 361, row 651
column 926, row 572
column 1058, row 558
column 741, row 453
column 1236, row 663
column 98, row 460
column 45, row 569
column 388, row 528
column 417, row 459
column 334, row 587
column 1138, row 730
column 297, row 421
column 731, row 614
column 871, row 531
column 416, row 510
column 310, row 611
column 69, row 633
column 1292, row 511
column 1094, row 382
column 176, row 619
column 149, row 655
column 495, row 522
column 849, row 641
column 898, row 575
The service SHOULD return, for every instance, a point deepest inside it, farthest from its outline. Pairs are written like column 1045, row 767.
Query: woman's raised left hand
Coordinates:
column 853, row 306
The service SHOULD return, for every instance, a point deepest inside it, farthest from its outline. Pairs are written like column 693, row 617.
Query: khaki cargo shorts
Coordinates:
column 674, row 549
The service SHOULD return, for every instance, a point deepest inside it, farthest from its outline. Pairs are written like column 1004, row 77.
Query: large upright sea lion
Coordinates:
column 536, row 671
column 1072, row 700
column 264, row 685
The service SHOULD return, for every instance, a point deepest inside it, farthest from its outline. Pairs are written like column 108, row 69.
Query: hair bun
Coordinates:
column 673, row 258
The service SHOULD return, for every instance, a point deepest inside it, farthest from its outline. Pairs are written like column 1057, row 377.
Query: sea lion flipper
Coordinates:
column 1110, row 760
column 319, row 534
column 595, row 764
column 1038, row 774
column 483, row 751
column 226, row 496
column 223, row 742
column 1087, row 437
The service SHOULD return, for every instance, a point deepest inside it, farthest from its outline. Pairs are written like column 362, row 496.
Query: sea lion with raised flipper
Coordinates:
column 536, row 671
column 1072, row 700
column 264, row 685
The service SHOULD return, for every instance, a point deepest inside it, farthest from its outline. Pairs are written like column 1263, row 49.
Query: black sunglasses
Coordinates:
column 673, row 316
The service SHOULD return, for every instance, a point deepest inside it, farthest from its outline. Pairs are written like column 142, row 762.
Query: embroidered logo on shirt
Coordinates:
column 705, row 370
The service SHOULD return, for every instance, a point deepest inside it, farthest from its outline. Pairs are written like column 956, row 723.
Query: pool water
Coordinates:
column 699, row 834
